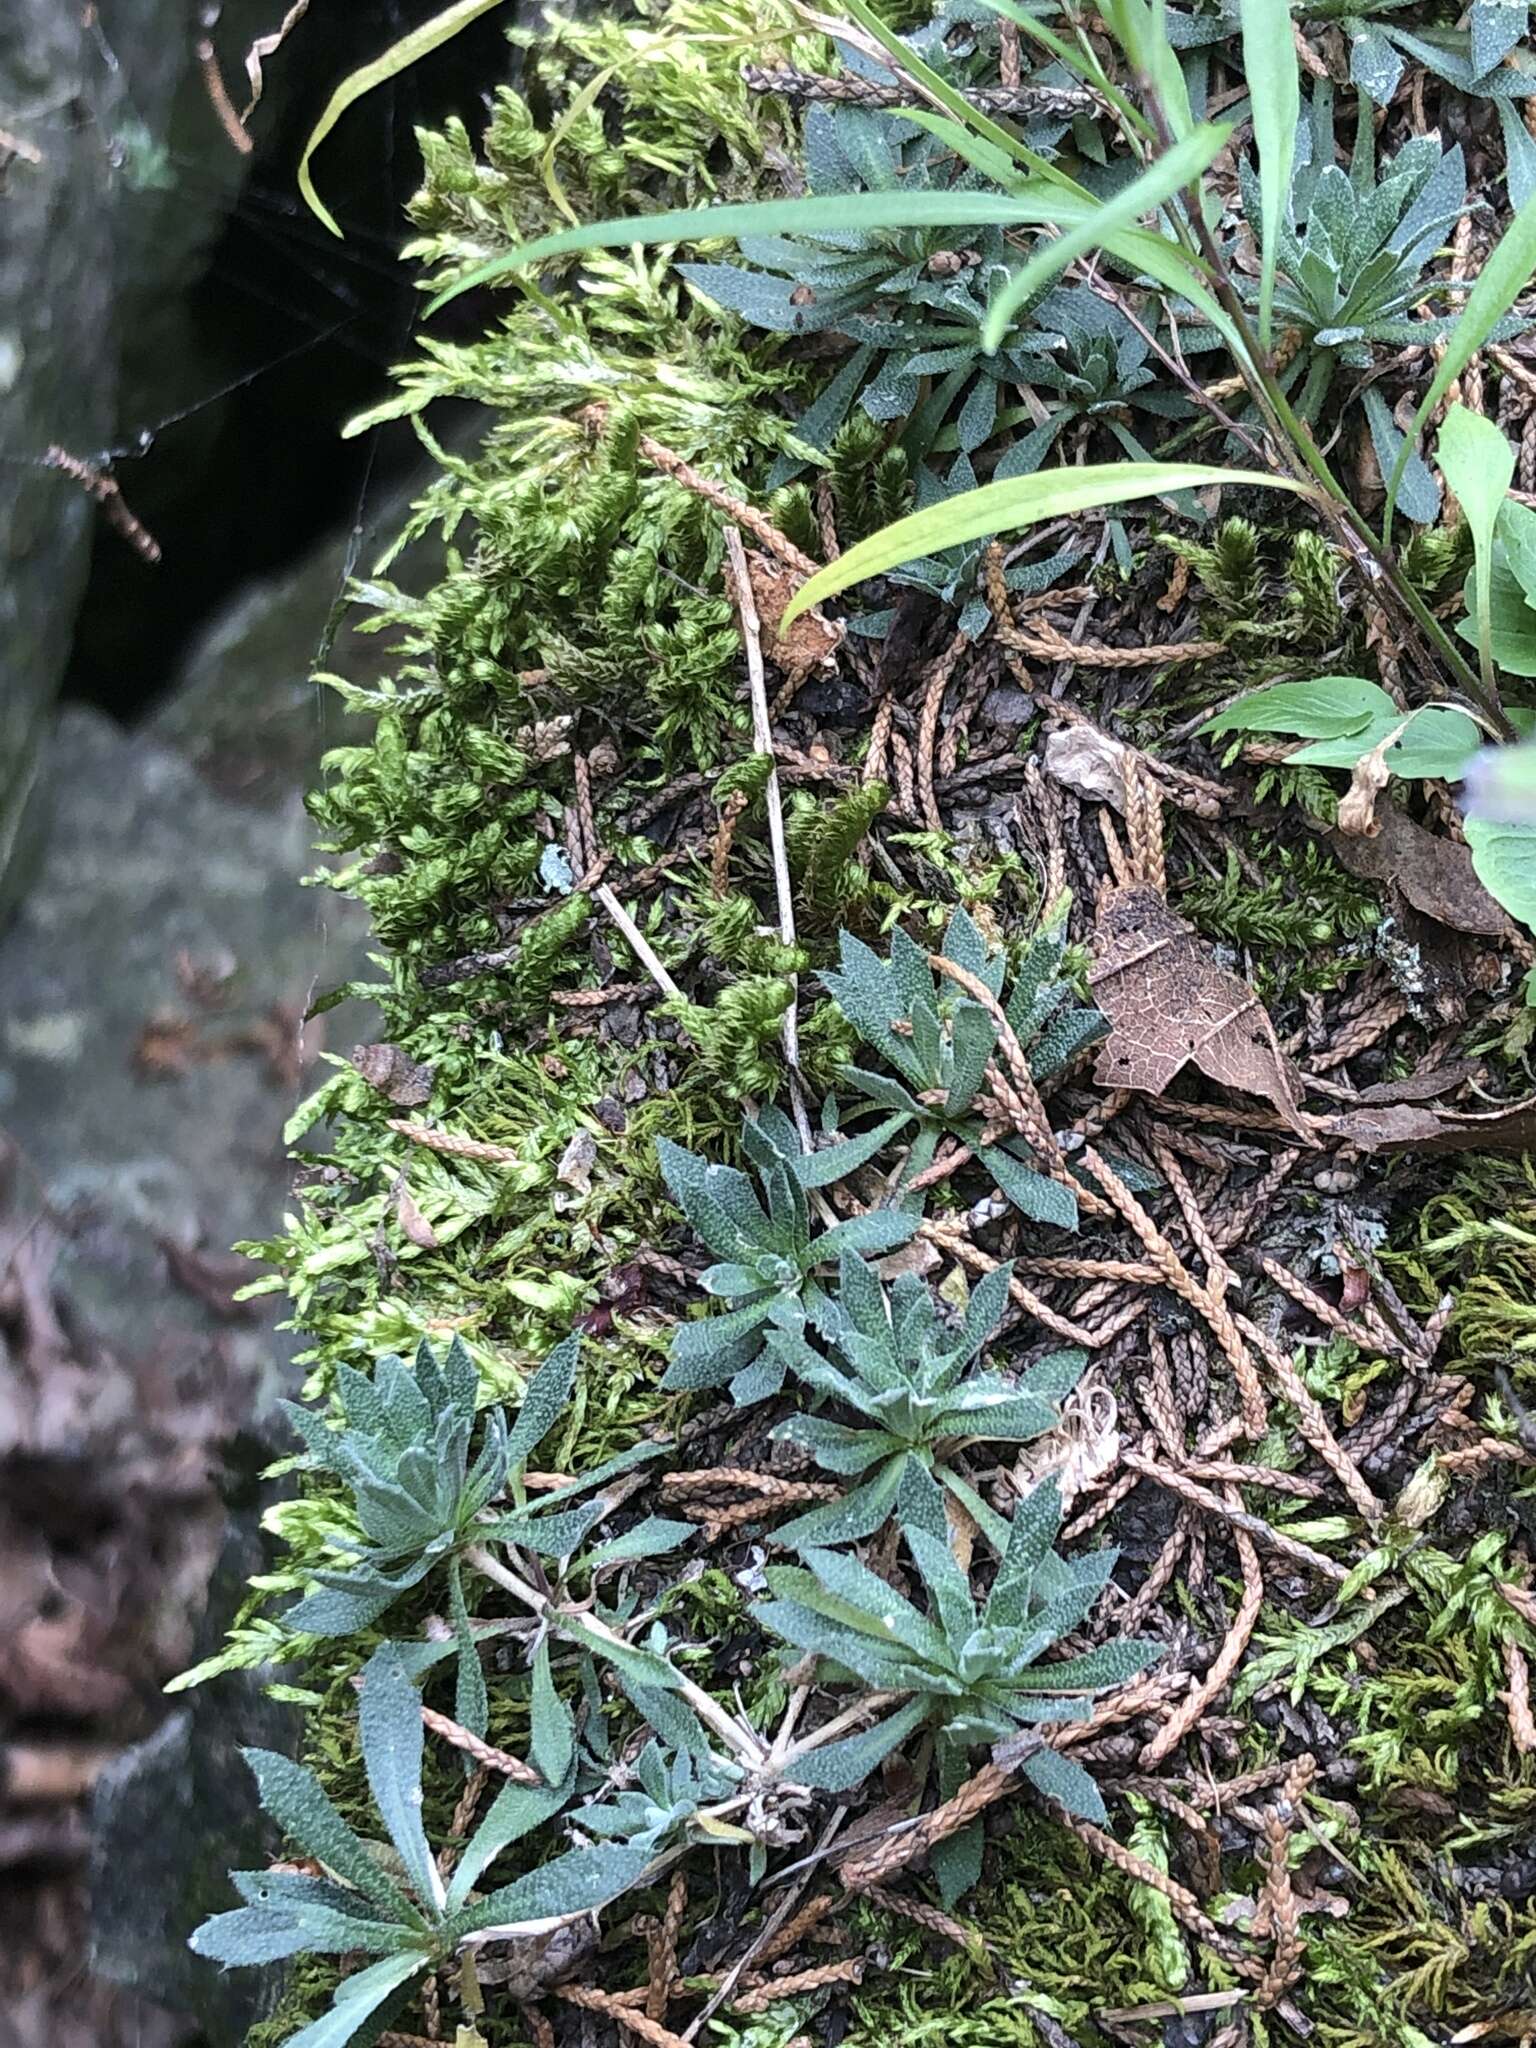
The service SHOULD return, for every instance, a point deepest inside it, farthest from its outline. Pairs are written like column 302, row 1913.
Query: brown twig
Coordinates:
column 104, row 488
column 219, row 99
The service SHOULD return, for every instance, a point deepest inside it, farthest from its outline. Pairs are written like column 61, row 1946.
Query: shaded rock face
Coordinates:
column 97, row 100
column 152, row 990
column 185, row 1786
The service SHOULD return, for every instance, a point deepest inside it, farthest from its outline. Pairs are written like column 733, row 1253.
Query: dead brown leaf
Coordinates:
column 400, row 1079
column 1392, row 1127
column 1169, row 1003
column 811, row 641
column 413, row 1223
column 1425, row 1083
column 1435, row 874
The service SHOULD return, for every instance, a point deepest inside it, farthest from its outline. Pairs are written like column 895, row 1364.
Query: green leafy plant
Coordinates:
column 666, row 1803
column 910, row 304
column 940, row 1041
column 976, row 1670
column 768, row 1252
column 901, row 1372
column 1343, row 718
column 403, row 1458
column 1353, row 255
column 399, row 1909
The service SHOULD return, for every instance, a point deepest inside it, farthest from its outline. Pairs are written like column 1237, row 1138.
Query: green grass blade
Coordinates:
column 1479, row 465
column 1031, row 205
column 1078, row 59
column 834, row 212
column 1142, row 34
column 400, row 56
column 1015, row 502
column 1502, row 278
column 1166, row 175
column 974, row 150
column 1274, row 94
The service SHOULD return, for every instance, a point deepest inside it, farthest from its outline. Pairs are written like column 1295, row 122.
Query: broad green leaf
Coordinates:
column 577, row 1882
column 1033, row 1194
column 556, row 1535
column 1112, row 1663
column 1436, row 741
column 543, row 1400
column 1328, row 707
column 856, row 1515
column 1274, row 96
column 1499, row 283
column 1504, row 859
column 1036, row 1522
column 1479, row 465
column 251, row 1935
column 356, row 1999
column 1057, row 1777
column 1519, row 156
column 400, row 56
column 389, row 1722
column 1003, row 507
column 1166, row 175
column 849, row 1594
column 516, row 1811
column 1512, row 617
column 654, row 1536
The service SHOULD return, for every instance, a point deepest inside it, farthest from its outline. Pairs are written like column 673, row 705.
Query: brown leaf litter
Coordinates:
column 1170, row 1003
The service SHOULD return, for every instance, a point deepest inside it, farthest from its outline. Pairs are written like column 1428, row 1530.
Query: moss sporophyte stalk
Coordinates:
column 809, row 1509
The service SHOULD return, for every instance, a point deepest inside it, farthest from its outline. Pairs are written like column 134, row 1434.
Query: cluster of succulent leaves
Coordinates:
column 1355, row 259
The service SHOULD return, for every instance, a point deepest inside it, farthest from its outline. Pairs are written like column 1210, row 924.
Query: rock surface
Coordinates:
column 115, row 176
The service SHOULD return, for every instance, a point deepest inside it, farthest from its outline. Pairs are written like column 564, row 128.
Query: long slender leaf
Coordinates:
column 400, row 56
column 356, row 1999
column 1163, row 177
column 1274, row 95
column 1500, row 281
column 1479, row 465
column 1004, row 506
column 1035, row 203
column 389, row 1721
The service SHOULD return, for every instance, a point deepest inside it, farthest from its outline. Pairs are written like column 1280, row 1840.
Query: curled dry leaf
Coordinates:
column 1088, row 762
column 412, row 1222
column 811, row 641
column 1082, row 1447
column 1394, row 1127
column 400, row 1079
column 1170, row 1003
column 577, row 1162
column 1368, row 778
